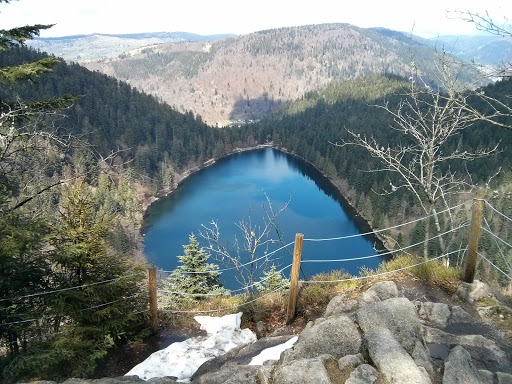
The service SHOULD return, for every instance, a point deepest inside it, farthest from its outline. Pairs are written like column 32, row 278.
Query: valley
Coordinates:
column 86, row 147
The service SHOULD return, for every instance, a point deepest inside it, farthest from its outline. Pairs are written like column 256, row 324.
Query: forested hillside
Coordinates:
column 112, row 116
column 249, row 76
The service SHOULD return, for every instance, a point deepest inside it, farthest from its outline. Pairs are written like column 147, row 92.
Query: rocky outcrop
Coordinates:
column 383, row 338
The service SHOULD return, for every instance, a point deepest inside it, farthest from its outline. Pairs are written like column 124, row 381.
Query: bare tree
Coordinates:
column 250, row 257
column 427, row 120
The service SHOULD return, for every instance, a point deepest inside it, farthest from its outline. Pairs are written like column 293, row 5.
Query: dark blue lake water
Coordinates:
column 235, row 187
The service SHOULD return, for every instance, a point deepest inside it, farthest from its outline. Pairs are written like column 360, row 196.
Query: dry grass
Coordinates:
column 435, row 272
column 313, row 297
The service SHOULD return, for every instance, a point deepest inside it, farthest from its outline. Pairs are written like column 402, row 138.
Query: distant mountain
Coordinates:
column 247, row 77
column 489, row 50
column 482, row 49
column 99, row 46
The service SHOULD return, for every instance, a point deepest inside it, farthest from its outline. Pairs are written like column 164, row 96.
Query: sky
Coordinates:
column 205, row 17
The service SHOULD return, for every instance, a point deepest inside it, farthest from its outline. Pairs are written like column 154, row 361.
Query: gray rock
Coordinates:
column 391, row 359
column 434, row 335
column 504, row 378
column 436, row 314
column 459, row 368
column 364, row 374
column 350, row 362
column 118, row 380
column 302, row 371
column 282, row 331
column 474, row 292
column 339, row 305
column 380, row 291
column 336, row 336
column 486, row 377
column 421, row 357
column 231, row 374
column 265, row 372
column 459, row 315
column 240, row 355
column 260, row 329
column 398, row 315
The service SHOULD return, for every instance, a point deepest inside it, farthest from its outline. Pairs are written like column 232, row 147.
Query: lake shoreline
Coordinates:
column 349, row 206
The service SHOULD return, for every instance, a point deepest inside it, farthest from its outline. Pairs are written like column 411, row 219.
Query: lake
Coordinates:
column 235, row 188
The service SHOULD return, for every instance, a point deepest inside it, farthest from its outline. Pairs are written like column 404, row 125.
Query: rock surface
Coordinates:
column 303, row 371
column 396, row 314
column 391, row 359
column 336, row 336
column 459, row 368
column 364, row 374
column 380, row 291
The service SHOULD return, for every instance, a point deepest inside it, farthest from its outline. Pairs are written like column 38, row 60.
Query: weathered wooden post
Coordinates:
column 474, row 236
column 294, row 277
column 153, row 319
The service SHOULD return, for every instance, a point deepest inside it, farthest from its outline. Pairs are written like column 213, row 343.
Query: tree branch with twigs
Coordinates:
column 248, row 255
column 427, row 121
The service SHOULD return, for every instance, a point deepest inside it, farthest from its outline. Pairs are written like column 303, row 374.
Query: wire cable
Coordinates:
column 63, row 315
column 380, row 274
column 227, row 308
column 495, row 210
column 388, row 252
column 499, row 248
column 495, row 266
column 386, row 229
column 496, row 237
column 71, row 288
column 224, row 294
column 237, row 266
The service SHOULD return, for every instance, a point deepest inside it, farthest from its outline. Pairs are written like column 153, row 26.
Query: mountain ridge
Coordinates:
column 246, row 77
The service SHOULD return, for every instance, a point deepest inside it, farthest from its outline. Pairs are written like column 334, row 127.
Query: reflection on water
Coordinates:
column 235, row 187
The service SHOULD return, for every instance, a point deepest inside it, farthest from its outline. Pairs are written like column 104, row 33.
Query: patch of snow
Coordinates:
column 183, row 359
column 273, row 353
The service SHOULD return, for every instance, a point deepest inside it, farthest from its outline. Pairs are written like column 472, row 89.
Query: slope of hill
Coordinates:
column 100, row 46
column 249, row 76
column 482, row 49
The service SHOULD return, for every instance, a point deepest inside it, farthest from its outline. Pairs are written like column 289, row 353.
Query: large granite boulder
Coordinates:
column 382, row 290
column 336, row 336
column 459, row 368
column 303, row 371
column 396, row 314
column 391, row 359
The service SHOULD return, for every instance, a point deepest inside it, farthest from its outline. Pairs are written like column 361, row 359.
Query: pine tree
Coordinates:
column 272, row 280
column 97, row 315
column 194, row 275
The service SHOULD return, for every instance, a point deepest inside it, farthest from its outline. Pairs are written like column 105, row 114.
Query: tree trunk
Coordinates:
column 438, row 227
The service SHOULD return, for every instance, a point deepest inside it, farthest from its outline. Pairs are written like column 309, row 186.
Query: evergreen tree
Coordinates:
column 96, row 315
column 194, row 275
column 272, row 280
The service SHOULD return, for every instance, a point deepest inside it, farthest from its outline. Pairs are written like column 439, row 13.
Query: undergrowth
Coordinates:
column 314, row 296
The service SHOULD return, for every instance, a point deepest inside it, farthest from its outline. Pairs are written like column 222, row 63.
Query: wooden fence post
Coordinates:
column 153, row 319
column 294, row 277
column 474, row 236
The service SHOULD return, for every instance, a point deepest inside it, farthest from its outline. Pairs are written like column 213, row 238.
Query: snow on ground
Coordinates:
column 273, row 353
column 183, row 359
